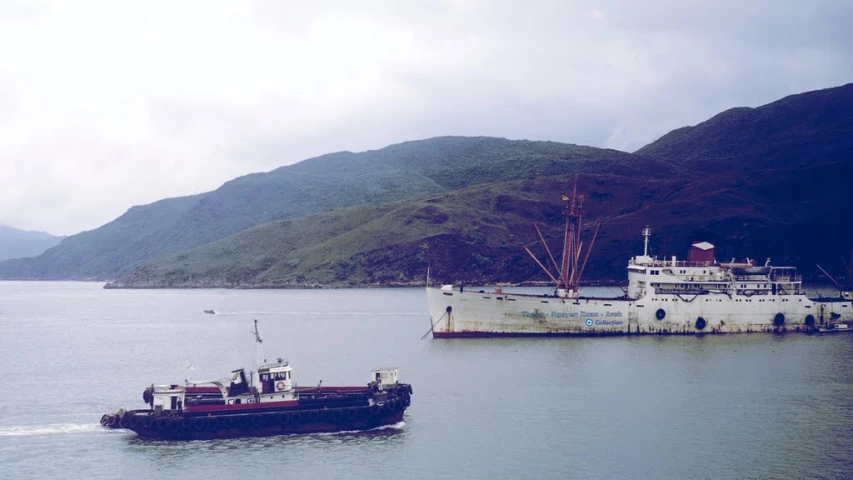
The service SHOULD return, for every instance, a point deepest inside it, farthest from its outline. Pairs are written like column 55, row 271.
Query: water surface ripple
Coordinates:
column 738, row 406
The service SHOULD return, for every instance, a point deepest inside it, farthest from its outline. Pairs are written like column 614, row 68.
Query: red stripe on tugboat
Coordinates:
column 244, row 407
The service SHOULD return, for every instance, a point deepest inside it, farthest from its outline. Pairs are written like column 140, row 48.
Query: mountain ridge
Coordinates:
column 764, row 180
column 408, row 170
column 745, row 133
column 17, row 243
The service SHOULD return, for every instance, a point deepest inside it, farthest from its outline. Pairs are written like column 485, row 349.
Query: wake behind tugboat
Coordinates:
column 266, row 403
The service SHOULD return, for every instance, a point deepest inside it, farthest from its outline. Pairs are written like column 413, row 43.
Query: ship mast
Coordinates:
column 572, row 244
column 570, row 269
column 260, row 358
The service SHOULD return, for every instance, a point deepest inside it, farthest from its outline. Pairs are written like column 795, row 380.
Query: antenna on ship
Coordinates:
column 259, row 346
column 647, row 232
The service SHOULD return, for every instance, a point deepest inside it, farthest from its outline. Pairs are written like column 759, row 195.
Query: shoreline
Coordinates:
column 332, row 286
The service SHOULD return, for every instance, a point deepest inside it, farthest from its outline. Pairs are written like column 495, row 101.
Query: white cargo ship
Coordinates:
column 671, row 296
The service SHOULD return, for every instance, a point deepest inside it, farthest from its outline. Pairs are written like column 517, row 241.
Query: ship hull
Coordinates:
column 194, row 427
column 473, row 314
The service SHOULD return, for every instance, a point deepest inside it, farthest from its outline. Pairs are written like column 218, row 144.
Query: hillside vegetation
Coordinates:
column 771, row 181
column 476, row 235
column 808, row 129
column 409, row 170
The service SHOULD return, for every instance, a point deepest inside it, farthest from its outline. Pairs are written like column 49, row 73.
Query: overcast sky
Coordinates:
column 109, row 104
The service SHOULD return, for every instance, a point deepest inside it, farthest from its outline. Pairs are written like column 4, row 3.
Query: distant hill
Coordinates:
column 16, row 243
column 476, row 234
column 473, row 234
column 408, row 170
column 771, row 181
column 761, row 191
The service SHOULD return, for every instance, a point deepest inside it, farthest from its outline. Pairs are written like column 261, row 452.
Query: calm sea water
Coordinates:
column 747, row 406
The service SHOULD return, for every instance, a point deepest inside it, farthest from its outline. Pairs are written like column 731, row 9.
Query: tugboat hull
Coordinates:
column 196, row 427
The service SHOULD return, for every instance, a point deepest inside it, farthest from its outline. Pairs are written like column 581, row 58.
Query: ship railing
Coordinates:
column 750, row 278
column 786, row 278
column 678, row 263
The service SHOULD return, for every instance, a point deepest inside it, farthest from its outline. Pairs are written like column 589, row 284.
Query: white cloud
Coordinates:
column 108, row 104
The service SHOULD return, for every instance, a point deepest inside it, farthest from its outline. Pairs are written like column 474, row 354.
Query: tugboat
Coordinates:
column 266, row 403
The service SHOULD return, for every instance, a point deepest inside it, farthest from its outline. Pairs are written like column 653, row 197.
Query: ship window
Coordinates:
column 544, row 301
column 499, row 298
column 488, row 298
column 237, row 401
column 510, row 299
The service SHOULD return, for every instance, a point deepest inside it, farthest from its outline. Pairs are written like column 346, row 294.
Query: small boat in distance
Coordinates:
column 835, row 328
column 212, row 312
column 263, row 403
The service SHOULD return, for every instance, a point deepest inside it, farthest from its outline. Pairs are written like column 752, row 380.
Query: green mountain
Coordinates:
column 409, row 170
column 800, row 130
column 476, row 234
column 755, row 189
column 770, row 181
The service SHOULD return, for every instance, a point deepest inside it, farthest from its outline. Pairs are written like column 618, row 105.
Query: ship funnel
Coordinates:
column 702, row 252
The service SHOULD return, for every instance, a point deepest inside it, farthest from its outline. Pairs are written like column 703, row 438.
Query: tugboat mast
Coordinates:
column 261, row 358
